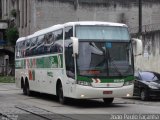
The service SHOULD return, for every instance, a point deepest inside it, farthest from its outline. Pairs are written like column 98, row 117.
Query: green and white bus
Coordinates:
column 81, row 60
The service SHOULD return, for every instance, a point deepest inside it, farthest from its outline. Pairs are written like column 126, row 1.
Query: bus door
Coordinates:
column 70, row 69
column 69, row 59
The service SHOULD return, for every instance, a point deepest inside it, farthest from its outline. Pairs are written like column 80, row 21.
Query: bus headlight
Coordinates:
column 84, row 83
column 128, row 83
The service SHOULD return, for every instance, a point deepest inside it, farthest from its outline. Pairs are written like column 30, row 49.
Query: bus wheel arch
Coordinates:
column 59, row 92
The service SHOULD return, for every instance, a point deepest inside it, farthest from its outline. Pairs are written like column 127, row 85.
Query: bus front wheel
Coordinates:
column 61, row 97
column 108, row 101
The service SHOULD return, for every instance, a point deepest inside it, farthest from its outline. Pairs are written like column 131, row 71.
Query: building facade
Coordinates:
column 32, row 15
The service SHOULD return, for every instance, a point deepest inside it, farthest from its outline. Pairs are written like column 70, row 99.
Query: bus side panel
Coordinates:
column 45, row 81
column 17, row 78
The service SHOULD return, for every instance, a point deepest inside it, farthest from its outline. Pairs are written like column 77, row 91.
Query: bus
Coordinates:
column 79, row 60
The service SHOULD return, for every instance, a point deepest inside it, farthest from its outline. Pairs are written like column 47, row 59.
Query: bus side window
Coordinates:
column 33, row 46
column 48, row 42
column 69, row 60
column 27, row 51
column 40, row 45
column 17, row 50
column 57, row 46
column 22, row 49
column 68, row 32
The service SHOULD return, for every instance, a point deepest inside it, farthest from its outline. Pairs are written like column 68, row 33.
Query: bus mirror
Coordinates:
column 138, row 46
column 75, row 45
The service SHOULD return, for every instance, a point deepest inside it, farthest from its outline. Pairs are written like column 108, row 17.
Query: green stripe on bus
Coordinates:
column 106, row 80
column 55, row 61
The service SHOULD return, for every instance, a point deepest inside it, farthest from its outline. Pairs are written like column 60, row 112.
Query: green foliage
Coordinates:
column 7, row 79
column 13, row 13
column 12, row 35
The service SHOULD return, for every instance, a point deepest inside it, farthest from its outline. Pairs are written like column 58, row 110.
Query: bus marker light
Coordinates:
column 107, row 92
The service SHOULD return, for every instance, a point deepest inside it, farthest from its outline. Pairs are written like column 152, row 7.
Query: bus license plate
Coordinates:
column 107, row 92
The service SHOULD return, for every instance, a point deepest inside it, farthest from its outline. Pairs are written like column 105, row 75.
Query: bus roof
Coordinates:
column 59, row 26
column 95, row 23
column 49, row 29
column 20, row 39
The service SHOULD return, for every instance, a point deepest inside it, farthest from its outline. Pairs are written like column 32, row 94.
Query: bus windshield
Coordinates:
column 102, row 33
column 106, row 52
column 105, row 59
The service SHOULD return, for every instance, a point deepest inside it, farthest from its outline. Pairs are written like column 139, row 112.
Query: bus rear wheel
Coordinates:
column 61, row 97
column 108, row 101
column 26, row 89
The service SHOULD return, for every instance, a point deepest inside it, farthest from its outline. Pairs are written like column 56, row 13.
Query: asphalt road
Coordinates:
column 122, row 108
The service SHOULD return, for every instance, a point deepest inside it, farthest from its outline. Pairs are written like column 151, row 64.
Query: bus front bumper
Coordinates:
column 88, row 92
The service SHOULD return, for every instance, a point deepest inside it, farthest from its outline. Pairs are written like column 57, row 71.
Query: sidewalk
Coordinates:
column 9, row 88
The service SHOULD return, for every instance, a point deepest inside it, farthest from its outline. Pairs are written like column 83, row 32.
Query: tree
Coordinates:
column 12, row 35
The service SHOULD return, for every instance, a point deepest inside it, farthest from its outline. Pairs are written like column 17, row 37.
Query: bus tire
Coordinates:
column 22, row 85
column 24, row 88
column 27, row 89
column 108, row 101
column 60, row 95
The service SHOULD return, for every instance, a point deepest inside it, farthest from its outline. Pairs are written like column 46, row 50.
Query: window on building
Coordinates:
column 26, row 5
column 18, row 14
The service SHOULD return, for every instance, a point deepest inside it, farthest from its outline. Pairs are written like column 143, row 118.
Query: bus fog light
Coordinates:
column 128, row 95
column 82, row 96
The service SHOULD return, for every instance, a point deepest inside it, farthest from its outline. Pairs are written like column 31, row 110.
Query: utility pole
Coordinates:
column 140, row 17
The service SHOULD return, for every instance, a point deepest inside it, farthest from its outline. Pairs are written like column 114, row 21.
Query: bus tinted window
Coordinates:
column 40, row 45
column 102, row 33
column 17, row 50
column 59, row 34
column 57, row 47
column 33, row 46
column 22, row 49
column 27, row 52
column 48, row 40
column 68, row 32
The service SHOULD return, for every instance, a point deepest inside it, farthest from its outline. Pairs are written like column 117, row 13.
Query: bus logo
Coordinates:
column 97, row 80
